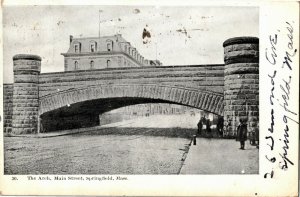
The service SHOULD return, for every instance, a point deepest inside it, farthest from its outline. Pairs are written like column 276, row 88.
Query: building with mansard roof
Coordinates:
column 103, row 52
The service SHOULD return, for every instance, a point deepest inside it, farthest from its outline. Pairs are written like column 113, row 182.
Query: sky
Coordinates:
column 179, row 35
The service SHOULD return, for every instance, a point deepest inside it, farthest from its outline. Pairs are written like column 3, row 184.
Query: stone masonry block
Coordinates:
column 241, row 54
column 241, row 47
column 241, row 70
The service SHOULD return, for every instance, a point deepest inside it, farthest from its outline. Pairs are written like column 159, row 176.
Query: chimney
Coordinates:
column 71, row 38
column 118, row 36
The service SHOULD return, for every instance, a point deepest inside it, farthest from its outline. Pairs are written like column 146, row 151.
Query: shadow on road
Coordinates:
column 168, row 132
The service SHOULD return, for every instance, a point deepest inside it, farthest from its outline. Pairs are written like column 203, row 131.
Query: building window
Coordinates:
column 125, row 48
column 109, row 48
column 93, row 47
column 92, row 64
column 77, row 47
column 76, row 65
column 109, row 45
column 108, row 63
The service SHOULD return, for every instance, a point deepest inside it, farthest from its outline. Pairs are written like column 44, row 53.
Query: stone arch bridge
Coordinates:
column 229, row 90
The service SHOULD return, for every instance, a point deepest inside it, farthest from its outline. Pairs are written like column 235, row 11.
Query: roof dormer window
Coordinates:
column 128, row 51
column 134, row 53
column 109, row 47
column 93, row 46
column 109, row 44
column 77, row 47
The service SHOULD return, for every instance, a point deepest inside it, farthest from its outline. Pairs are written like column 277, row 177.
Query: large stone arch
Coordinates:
column 204, row 100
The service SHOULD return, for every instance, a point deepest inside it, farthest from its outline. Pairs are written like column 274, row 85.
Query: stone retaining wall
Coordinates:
column 7, row 107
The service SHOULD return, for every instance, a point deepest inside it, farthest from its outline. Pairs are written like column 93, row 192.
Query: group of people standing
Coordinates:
column 206, row 122
column 208, row 131
column 241, row 130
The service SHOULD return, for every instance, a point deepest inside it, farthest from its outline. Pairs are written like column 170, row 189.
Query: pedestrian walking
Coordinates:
column 242, row 133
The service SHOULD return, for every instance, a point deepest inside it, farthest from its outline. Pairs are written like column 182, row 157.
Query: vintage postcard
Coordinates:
column 150, row 98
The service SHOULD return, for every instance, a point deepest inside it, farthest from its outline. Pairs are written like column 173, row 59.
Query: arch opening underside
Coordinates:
column 82, row 107
column 86, row 114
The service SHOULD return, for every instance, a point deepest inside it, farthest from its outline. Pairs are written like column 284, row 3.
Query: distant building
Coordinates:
column 156, row 109
column 155, row 63
column 104, row 52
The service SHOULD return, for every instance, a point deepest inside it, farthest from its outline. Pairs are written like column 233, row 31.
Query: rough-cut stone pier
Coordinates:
column 26, row 94
column 241, row 82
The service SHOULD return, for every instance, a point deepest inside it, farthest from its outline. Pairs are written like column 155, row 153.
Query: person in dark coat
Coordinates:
column 208, row 129
column 200, row 125
column 242, row 133
column 257, row 136
column 220, row 126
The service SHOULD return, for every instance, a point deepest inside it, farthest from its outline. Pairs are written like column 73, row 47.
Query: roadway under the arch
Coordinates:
column 86, row 114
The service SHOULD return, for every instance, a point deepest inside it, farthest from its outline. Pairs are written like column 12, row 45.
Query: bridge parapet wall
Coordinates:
column 203, row 77
column 241, row 83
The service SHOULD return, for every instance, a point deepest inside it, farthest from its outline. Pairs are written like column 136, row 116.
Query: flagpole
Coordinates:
column 99, row 23
column 155, row 51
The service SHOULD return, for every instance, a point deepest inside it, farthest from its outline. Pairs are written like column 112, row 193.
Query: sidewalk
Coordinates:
column 220, row 156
